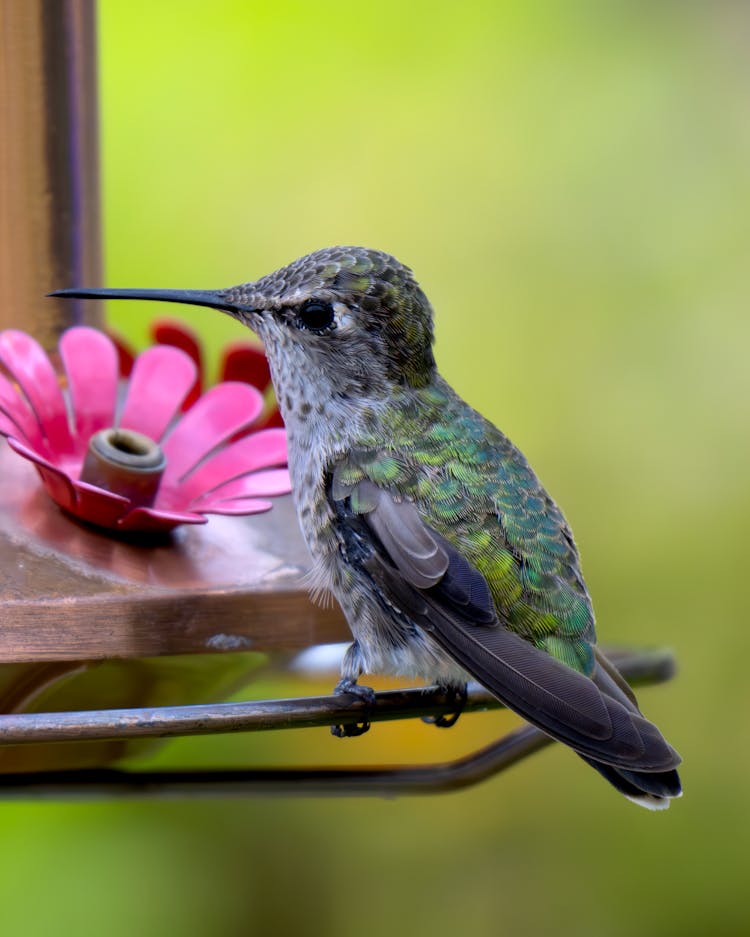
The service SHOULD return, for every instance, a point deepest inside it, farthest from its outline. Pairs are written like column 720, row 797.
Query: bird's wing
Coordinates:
column 420, row 576
column 473, row 486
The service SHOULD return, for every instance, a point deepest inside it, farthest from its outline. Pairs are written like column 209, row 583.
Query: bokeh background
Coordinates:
column 570, row 184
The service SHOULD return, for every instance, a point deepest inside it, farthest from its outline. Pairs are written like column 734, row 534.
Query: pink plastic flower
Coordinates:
column 206, row 472
column 239, row 361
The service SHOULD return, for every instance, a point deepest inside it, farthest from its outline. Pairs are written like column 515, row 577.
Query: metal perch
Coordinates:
column 636, row 666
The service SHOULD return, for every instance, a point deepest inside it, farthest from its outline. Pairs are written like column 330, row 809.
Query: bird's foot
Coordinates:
column 366, row 693
column 456, row 697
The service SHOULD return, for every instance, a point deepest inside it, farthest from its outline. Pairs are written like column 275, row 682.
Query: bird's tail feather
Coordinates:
column 652, row 790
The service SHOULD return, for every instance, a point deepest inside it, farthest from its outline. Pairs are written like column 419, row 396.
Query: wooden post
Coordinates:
column 49, row 179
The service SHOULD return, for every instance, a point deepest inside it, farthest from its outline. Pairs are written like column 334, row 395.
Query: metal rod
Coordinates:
column 264, row 715
column 296, row 782
column 217, row 718
column 637, row 666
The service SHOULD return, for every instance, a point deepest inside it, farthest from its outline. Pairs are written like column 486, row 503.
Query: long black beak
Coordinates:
column 213, row 298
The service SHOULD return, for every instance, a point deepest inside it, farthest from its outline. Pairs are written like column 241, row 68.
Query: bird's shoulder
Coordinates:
column 476, row 489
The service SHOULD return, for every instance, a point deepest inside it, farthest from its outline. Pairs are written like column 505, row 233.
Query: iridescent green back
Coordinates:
column 476, row 489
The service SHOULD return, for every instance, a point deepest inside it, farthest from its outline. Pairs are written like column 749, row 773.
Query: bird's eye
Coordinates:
column 316, row 316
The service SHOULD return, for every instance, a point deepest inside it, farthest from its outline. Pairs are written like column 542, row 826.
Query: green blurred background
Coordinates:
column 569, row 182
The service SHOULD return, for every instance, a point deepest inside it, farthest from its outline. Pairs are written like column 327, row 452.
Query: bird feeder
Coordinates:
column 112, row 638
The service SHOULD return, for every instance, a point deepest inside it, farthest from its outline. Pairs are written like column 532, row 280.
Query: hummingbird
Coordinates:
column 446, row 554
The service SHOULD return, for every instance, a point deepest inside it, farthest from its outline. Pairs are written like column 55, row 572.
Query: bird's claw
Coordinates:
column 365, row 693
column 456, row 697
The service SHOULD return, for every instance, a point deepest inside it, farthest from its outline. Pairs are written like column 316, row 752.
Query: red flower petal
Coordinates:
column 161, row 378
column 90, row 361
column 256, row 484
column 239, row 506
column 20, row 418
column 246, row 363
column 24, row 357
column 125, row 354
column 222, row 411
column 58, row 487
column 176, row 334
column 273, row 419
column 56, row 482
column 150, row 519
column 33, row 455
column 260, row 450
column 101, row 507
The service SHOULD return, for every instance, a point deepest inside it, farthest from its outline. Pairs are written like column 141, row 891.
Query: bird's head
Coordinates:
column 352, row 318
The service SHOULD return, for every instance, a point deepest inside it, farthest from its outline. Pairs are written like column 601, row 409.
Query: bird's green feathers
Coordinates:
column 474, row 487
